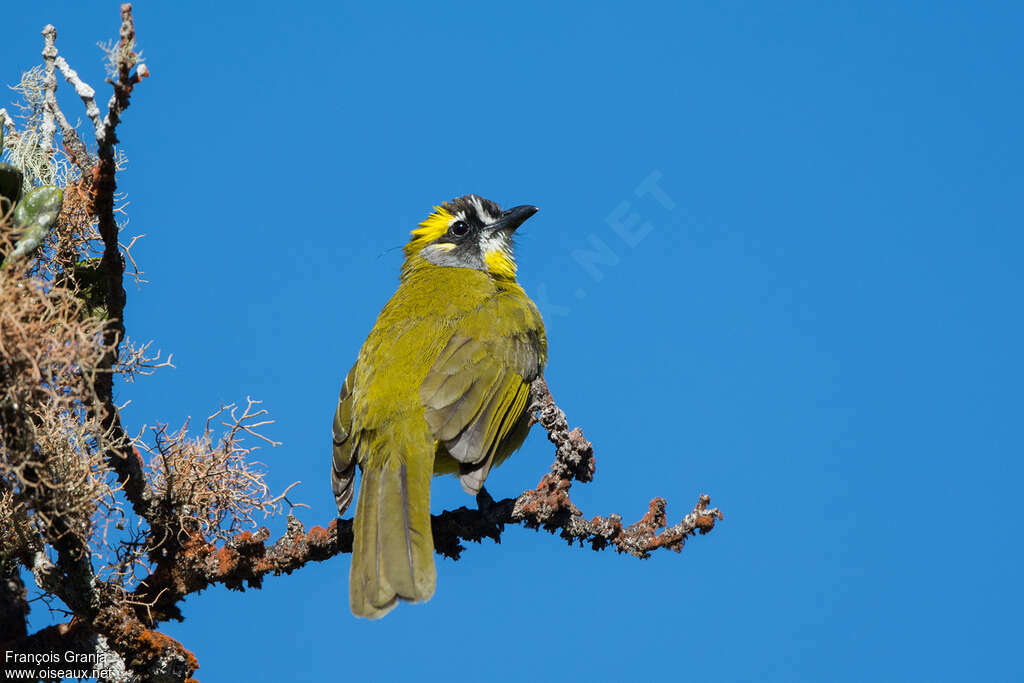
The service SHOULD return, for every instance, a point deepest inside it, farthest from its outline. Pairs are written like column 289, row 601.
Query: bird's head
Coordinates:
column 469, row 232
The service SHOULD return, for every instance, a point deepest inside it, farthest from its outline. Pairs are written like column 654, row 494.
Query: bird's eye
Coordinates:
column 459, row 228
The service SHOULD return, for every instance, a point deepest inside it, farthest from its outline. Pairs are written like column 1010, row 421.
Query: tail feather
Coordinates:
column 393, row 552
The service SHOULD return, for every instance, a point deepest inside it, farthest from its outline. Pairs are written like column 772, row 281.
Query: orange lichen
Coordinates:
column 317, row 536
column 153, row 644
column 227, row 561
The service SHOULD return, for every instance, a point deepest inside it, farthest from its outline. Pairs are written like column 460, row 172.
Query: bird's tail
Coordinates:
column 393, row 550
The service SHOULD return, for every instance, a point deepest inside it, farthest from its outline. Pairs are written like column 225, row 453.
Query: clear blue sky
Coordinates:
column 823, row 332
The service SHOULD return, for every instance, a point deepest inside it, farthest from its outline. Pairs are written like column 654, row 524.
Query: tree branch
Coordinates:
column 13, row 604
column 122, row 457
column 247, row 558
column 101, row 625
column 134, row 655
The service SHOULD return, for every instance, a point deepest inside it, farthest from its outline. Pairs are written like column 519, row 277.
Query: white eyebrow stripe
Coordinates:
column 484, row 215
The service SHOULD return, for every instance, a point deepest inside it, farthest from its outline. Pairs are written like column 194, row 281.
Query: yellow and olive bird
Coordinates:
column 441, row 386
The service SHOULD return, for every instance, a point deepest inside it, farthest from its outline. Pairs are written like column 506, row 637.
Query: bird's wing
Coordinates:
column 343, row 465
column 475, row 394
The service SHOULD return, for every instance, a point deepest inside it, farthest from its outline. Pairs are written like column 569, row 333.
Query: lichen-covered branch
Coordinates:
column 123, row 458
column 49, row 127
column 550, row 507
column 247, row 558
column 99, row 180
column 130, row 653
column 60, row 432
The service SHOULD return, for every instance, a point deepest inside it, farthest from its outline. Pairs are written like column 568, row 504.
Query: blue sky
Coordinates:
column 819, row 325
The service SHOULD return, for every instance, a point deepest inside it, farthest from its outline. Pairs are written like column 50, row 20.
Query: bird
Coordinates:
column 440, row 386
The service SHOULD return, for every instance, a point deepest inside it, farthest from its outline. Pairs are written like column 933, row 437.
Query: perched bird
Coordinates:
column 440, row 386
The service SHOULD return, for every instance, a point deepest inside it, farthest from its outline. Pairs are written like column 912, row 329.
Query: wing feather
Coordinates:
column 494, row 376
column 343, row 464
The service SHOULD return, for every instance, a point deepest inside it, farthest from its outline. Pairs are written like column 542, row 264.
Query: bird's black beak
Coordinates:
column 513, row 218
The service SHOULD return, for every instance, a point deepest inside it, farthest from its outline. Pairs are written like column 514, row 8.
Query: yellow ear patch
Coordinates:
column 429, row 230
column 500, row 264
